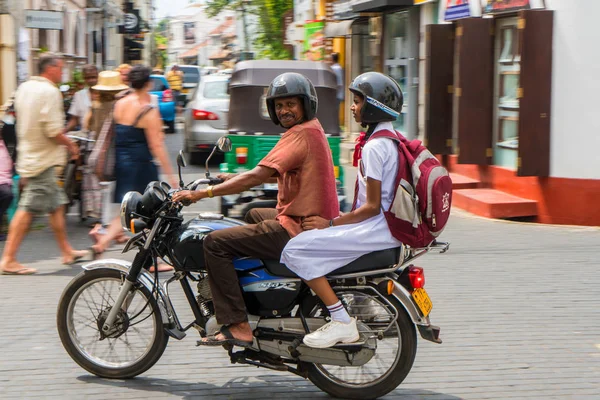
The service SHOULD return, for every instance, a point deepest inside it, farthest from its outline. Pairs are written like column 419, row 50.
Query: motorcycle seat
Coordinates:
column 368, row 262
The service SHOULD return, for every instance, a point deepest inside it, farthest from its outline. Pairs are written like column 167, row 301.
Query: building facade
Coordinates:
column 190, row 30
column 503, row 91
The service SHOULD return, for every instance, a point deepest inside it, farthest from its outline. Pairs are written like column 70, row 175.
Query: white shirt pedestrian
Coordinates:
column 82, row 104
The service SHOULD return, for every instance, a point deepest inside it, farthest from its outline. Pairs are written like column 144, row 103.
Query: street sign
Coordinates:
column 37, row 19
column 131, row 22
column 342, row 9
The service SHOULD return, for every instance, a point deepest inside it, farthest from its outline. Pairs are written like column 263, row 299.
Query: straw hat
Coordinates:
column 110, row 81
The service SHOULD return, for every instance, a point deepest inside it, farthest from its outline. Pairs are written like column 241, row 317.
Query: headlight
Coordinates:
column 130, row 204
column 153, row 198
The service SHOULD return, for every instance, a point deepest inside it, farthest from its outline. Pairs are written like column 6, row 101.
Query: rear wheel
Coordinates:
column 396, row 349
column 138, row 340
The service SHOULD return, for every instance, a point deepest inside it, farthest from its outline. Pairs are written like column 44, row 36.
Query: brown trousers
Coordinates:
column 264, row 238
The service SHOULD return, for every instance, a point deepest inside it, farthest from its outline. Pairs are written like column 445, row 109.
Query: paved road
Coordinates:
column 518, row 305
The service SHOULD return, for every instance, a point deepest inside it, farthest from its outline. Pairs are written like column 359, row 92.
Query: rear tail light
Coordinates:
column 241, row 155
column 204, row 115
column 416, row 276
column 167, row 96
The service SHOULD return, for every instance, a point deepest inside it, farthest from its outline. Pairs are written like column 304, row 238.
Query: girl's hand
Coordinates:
column 314, row 222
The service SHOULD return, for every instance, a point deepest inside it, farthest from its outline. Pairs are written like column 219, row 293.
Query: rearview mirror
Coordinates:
column 181, row 159
column 224, row 144
column 181, row 163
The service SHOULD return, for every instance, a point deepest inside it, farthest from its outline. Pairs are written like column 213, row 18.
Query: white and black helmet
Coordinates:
column 292, row 84
column 382, row 94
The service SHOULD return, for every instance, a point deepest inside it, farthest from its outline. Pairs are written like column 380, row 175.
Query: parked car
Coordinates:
column 166, row 101
column 205, row 118
column 191, row 79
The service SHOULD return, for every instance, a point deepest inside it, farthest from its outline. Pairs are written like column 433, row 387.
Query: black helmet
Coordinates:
column 382, row 94
column 292, row 84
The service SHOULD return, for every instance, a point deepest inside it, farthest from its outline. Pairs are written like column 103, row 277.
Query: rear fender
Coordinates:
column 404, row 297
column 145, row 278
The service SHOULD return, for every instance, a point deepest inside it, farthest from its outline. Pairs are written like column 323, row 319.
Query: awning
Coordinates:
column 379, row 5
column 338, row 28
column 220, row 55
column 193, row 52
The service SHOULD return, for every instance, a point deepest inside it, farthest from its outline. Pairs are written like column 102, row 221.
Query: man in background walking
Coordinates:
column 339, row 74
column 41, row 147
column 175, row 79
column 82, row 101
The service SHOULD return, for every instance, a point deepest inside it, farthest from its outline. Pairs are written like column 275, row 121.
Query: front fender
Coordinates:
column 145, row 278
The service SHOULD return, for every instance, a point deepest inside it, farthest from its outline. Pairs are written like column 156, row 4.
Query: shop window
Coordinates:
column 507, row 83
column 361, row 46
column 523, row 88
column 396, row 58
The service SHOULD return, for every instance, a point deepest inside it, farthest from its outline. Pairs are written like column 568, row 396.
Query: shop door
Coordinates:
column 535, row 93
column 473, row 92
column 439, row 72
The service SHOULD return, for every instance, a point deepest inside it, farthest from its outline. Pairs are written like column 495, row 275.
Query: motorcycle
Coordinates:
column 115, row 318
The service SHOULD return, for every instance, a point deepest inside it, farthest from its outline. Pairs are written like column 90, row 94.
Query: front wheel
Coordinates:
column 393, row 360
column 136, row 344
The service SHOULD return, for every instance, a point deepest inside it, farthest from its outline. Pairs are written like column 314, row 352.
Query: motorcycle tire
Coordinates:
column 159, row 345
column 393, row 379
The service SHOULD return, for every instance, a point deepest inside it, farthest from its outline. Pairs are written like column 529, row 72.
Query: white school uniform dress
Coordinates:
column 318, row 252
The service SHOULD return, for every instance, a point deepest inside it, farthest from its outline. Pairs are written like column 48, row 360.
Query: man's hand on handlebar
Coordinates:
column 187, row 197
column 226, row 176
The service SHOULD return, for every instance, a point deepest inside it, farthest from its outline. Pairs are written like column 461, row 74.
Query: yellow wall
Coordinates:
column 339, row 46
column 8, row 61
column 320, row 11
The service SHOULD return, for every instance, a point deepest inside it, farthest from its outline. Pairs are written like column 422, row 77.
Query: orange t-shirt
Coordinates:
column 305, row 176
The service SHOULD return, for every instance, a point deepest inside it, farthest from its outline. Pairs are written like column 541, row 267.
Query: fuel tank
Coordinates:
column 186, row 246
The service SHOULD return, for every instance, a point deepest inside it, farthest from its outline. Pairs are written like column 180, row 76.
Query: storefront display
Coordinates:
column 314, row 41
column 508, row 68
column 396, row 58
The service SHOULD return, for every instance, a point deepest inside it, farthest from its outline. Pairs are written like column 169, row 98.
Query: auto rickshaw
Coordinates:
column 253, row 134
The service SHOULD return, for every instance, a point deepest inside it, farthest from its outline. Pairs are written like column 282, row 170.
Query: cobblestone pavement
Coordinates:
column 518, row 305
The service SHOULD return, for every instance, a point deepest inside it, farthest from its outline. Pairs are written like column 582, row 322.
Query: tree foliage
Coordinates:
column 270, row 28
column 269, row 13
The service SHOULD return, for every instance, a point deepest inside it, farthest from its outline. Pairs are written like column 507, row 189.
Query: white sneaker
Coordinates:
column 332, row 333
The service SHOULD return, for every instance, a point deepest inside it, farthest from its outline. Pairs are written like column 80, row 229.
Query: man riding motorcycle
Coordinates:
column 302, row 165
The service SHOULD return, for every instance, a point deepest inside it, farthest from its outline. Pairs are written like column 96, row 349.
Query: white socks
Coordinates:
column 338, row 313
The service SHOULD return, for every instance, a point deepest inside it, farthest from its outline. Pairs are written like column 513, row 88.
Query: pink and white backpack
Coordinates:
column 421, row 205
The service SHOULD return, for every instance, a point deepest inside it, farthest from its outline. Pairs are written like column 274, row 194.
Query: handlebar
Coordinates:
column 80, row 138
column 205, row 181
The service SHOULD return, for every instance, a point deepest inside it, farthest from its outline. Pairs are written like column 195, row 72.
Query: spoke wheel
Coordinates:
column 396, row 349
column 137, row 339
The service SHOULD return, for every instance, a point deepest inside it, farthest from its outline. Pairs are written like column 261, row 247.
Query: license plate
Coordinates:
column 423, row 301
